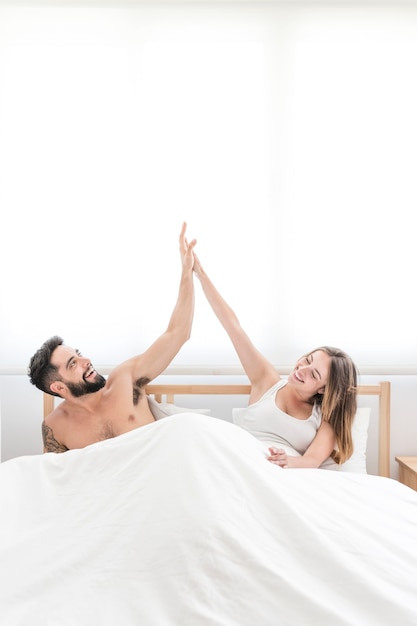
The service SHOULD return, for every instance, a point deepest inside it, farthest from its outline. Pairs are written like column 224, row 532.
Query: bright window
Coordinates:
column 286, row 138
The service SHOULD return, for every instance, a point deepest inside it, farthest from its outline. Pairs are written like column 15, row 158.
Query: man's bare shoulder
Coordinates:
column 51, row 430
column 57, row 416
column 50, row 443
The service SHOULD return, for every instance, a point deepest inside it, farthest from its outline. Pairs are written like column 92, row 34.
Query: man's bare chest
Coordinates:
column 85, row 429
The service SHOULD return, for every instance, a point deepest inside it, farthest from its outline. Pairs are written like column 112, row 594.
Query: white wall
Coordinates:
column 283, row 133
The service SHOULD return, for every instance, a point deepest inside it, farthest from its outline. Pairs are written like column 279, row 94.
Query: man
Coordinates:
column 93, row 408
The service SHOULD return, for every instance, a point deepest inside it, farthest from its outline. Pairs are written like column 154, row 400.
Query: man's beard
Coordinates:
column 81, row 389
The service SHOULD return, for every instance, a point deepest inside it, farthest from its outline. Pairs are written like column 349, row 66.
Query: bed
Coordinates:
column 184, row 522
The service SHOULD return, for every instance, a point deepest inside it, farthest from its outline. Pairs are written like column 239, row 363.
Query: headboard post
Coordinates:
column 384, row 429
column 48, row 404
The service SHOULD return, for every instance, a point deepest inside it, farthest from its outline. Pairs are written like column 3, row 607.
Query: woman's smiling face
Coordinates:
column 311, row 371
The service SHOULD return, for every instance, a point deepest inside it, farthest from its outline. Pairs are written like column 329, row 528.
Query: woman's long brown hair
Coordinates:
column 339, row 400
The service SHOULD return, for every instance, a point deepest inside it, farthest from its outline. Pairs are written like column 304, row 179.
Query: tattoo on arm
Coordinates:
column 137, row 388
column 50, row 444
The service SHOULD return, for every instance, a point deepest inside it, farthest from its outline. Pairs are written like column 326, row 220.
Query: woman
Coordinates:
column 305, row 420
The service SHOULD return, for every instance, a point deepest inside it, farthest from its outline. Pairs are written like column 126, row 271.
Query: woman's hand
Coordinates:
column 278, row 456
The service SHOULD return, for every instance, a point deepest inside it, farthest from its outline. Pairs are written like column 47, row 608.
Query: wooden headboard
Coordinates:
column 167, row 393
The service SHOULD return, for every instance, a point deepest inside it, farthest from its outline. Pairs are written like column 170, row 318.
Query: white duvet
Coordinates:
column 184, row 523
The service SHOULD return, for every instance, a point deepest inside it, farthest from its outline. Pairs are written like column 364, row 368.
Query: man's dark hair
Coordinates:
column 40, row 371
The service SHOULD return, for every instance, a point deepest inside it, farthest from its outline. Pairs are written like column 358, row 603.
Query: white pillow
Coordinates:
column 357, row 462
column 163, row 409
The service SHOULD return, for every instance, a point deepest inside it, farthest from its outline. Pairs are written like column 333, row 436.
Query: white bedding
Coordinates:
column 184, row 523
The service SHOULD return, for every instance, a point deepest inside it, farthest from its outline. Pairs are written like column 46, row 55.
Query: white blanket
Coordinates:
column 184, row 523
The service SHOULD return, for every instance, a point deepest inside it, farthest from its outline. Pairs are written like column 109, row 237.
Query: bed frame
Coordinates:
column 167, row 393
